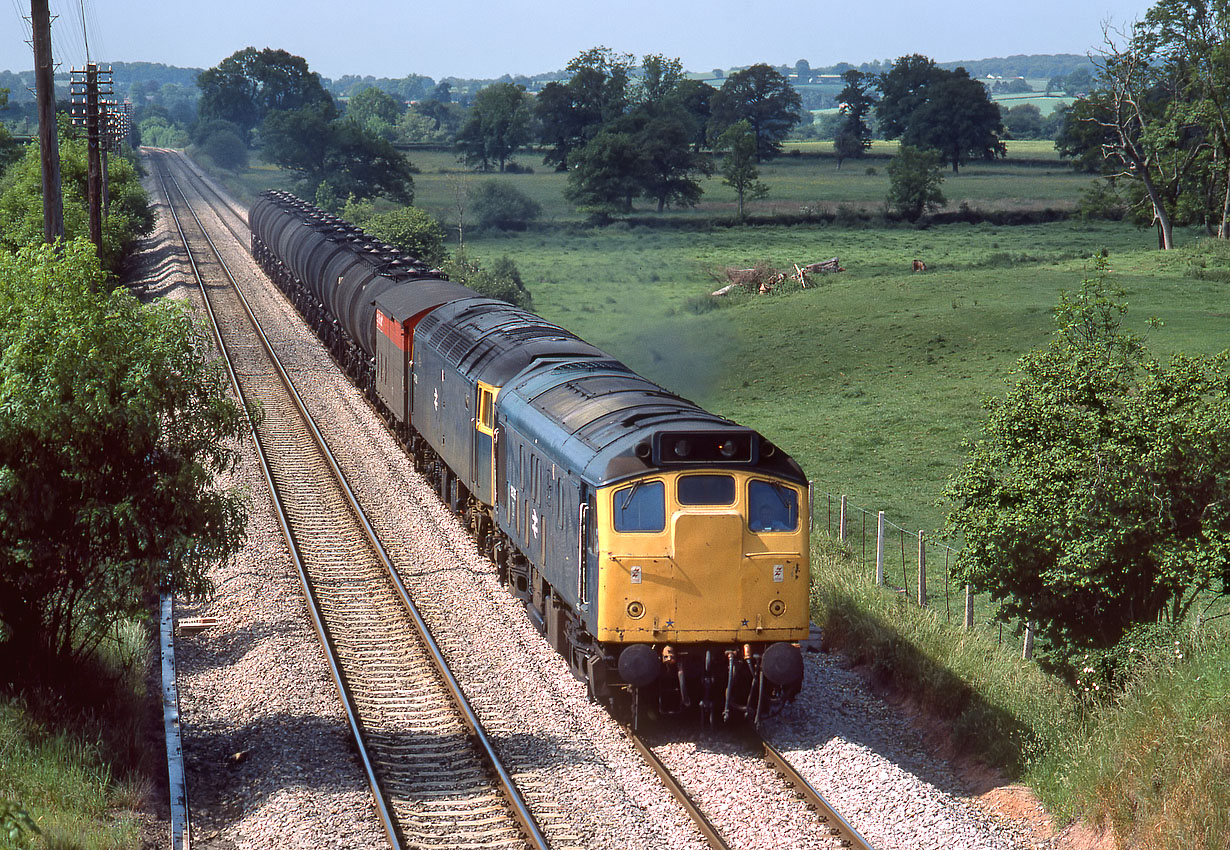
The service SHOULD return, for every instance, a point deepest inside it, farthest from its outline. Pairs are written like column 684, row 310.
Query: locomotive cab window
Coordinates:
column 486, row 408
column 771, row 507
column 640, row 508
column 707, row 490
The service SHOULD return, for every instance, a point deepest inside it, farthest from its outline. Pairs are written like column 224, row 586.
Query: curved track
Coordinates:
column 412, row 725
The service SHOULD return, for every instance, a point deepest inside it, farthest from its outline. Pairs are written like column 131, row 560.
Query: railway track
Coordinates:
column 843, row 833
column 434, row 775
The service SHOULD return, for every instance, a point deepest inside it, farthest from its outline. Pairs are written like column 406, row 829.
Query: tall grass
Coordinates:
column 73, row 749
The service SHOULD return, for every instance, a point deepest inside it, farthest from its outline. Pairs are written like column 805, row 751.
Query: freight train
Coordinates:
column 661, row 549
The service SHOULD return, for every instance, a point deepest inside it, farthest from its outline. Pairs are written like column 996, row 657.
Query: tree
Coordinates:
column 376, row 111
column 604, row 176
column 1098, row 496
column 762, row 97
column 502, row 280
column 914, row 181
column 21, row 199
column 571, row 114
column 411, row 230
column 853, row 137
column 660, row 77
column 670, row 167
column 353, row 160
column 248, row 85
column 739, row 169
column 930, row 107
column 114, row 423
column 1024, row 122
column 497, row 125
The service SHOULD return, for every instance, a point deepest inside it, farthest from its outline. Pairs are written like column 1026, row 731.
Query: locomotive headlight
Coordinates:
column 777, row 607
column 683, row 448
column 636, row 610
column 728, row 449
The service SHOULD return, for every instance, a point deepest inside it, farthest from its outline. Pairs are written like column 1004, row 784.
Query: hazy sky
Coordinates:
column 483, row 38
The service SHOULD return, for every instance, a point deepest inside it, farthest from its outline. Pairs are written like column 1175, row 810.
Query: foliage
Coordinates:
column 914, row 181
column 762, row 97
column 411, row 230
column 496, row 127
column 21, row 200
column 15, row 823
column 376, row 111
column 249, row 84
column 113, row 425
column 572, row 113
column 502, row 206
column 500, row 280
column 853, row 136
column 351, row 159
column 1098, row 496
column 158, row 131
column 226, row 150
column 738, row 168
column 927, row 106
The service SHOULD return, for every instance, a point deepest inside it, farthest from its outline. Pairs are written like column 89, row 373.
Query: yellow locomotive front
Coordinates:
column 703, row 585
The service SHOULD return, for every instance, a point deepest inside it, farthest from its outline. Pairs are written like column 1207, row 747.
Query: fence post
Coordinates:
column 880, row 549
column 1027, row 652
column 811, row 506
column 969, row 607
column 841, row 522
column 922, row 571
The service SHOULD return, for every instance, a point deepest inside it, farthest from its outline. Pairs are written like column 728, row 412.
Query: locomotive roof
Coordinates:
column 492, row 341
column 603, row 419
column 404, row 302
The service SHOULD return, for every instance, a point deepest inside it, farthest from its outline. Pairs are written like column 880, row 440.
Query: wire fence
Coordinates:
column 889, row 552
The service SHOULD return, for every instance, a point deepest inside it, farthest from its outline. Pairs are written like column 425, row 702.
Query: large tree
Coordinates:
column 375, row 110
column 114, row 423
column 856, row 101
column 572, row 113
column 349, row 158
column 497, row 125
column 250, row 84
column 927, row 106
column 762, row 97
column 1098, row 496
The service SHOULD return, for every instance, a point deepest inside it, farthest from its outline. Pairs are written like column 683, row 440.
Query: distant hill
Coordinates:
column 1037, row 67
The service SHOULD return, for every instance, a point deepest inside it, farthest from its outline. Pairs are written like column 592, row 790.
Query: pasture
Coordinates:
column 874, row 377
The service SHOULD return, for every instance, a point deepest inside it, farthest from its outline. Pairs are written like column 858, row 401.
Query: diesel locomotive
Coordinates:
column 661, row 549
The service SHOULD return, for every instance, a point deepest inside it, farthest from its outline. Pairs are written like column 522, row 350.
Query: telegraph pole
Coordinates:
column 89, row 84
column 48, row 137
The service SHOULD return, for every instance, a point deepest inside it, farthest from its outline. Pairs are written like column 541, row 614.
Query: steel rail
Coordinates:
column 706, row 827
column 382, row 809
column 517, row 804
column 836, row 822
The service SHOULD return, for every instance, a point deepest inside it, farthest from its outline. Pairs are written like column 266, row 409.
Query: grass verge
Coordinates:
column 75, row 752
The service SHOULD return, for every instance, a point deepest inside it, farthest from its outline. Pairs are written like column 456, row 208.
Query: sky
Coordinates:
column 486, row 39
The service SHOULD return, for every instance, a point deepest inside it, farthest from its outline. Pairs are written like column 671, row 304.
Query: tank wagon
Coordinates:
column 661, row 549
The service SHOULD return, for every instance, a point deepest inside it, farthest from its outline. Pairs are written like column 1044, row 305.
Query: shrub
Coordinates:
column 502, row 280
column 226, row 149
column 412, row 230
column 498, row 205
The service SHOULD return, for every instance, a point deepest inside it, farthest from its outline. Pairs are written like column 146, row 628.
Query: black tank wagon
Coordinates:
column 663, row 550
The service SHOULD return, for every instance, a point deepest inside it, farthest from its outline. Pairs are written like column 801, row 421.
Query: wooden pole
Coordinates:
column 841, row 522
column 922, row 571
column 1027, row 651
column 48, row 137
column 969, row 607
column 94, row 166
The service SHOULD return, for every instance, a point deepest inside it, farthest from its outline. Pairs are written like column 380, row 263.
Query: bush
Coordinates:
column 226, row 149
column 500, row 206
column 411, row 230
column 502, row 280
